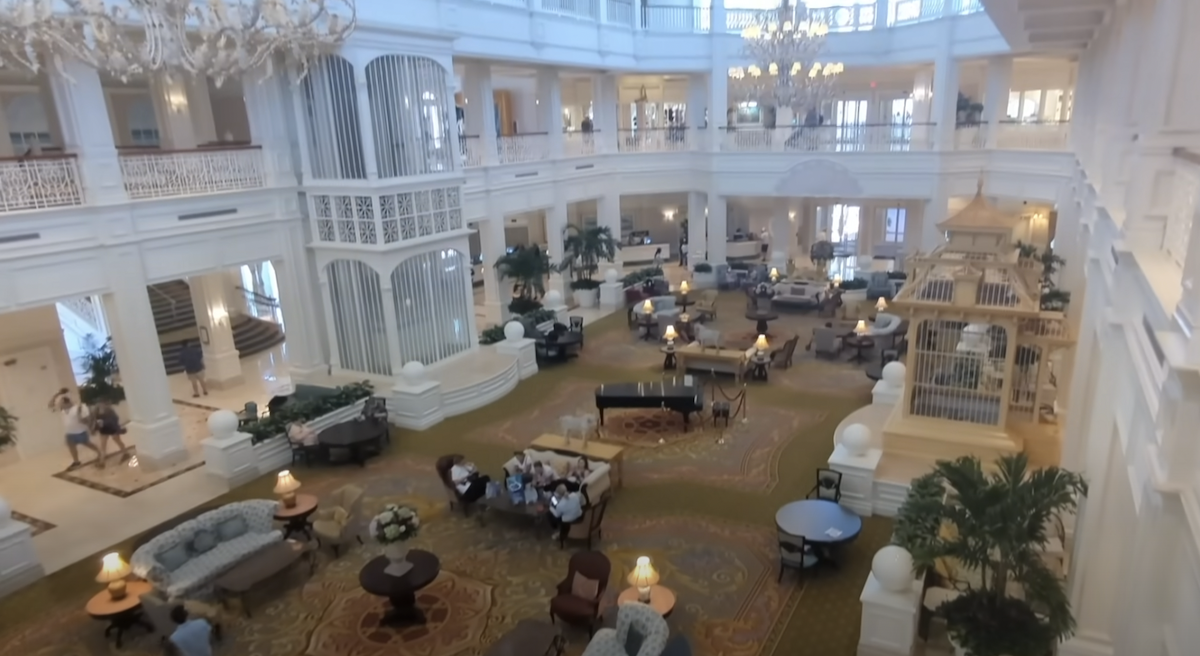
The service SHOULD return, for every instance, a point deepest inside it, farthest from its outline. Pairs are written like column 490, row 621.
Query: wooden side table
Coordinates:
column 295, row 519
column 121, row 614
column 662, row 599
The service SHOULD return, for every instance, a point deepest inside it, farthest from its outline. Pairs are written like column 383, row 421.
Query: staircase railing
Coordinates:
column 260, row 301
column 174, row 303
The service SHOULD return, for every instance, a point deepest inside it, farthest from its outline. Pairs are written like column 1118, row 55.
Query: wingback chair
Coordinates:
column 640, row 631
column 335, row 524
column 579, row 594
column 443, row 466
column 825, row 341
column 589, row 526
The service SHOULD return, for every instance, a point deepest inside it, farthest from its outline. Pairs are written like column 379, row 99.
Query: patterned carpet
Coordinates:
column 701, row 504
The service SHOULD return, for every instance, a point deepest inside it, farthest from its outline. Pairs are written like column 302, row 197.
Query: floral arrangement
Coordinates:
column 395, row 524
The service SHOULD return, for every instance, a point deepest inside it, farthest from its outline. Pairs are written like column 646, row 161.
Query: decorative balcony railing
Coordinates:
column 163, row 174
column 576, row 8
column 39, row 182
column 663, row 140
column 523, row 148
column 579, row 144
column 1047, row 135
column 828, row 138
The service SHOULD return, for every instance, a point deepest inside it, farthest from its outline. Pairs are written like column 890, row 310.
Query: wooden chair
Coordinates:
column 781, row 358
column 589, row 525
column 828, row 487
column 706, row 306
column 443, row 466
column 795, row 553
column 574, row 608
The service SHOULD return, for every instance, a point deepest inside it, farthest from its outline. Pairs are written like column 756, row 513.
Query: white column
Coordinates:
column 604, row 111
column 717, row 21
column 922, row 134
column 696, row 106
column 556, row 222
column 936, row 210
column 267, row 101
column 365, row 126
column 301, row 324
column 945, row 101
column 204, row 126
column 881, row 14
column 496, row 291
column 173, row 112
column 87, row 131
column 783, row 237
column 480, row 108
column 1187, row 312
column 995, row 98
column 549, row 92
column 222, row 366
column 718, row 88
column 717, row 231
column 335, row 357
column 390, row 325
column 154, row 427
column 299, row 114
column 608, row 214
column 6, row 147
column 697, row 228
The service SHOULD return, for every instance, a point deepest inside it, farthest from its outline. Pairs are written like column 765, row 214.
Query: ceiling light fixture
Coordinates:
column 784, row 45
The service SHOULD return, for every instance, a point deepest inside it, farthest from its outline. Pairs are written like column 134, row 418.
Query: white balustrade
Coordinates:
column 472, row 151
column 827, row 138
column 186, row 173
column 674, row 18
column 907, row 12
column 578, row 8
column 579, row 144
column 1032, row 136
column 846, row 18
column 663, row 140
column 619, row 12
column 524, row 148
column 970, row 137
column 32, row 183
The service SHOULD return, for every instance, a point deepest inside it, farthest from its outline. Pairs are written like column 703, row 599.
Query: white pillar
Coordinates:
column 299, row 118
column 480, row 110
column 301, row 323
column 391, row 325
column 154, row 426
column 718, row 93
column 717, row 232
column 172, row 109
column 697, row 228
column 496, row 294
column 6, row 147
column 87, row 131
column 267, row 100
column 549, row 92
column 608, row 211
column 556, row 222
column 204, row 126
column 222, row 366
column 604, row 111
column 335, row 357
column 995, row 98
column 922, row 115
column 945, row 101
column 365, row 125
column 783, row 237
column 696, row 105
column 936, row 210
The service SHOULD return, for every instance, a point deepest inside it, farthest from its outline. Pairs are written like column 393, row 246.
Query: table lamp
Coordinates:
column 837, row 280
column 648, row 307
column 860, row 328
column 113, row 571
column 642, row 577
column 286, row 485
column 774, row 274
column 761, row 344
column 670, row 335
column 881, row 304
column 683, row 287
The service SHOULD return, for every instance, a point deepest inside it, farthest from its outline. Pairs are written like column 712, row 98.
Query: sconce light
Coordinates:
column 669, row 215
column 792, row 215
column 176, row 100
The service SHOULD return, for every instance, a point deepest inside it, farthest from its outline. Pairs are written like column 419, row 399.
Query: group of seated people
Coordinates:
column 564, row 502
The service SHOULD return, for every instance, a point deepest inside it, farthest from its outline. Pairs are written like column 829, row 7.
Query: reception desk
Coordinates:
column 746, row 249
column 644, row 253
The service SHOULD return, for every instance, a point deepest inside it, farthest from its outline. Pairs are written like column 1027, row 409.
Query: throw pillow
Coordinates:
column 203, row 540
column 172, row 558
column 231, row 528
column 633, row 640
column 341, row 516
column 582, row 586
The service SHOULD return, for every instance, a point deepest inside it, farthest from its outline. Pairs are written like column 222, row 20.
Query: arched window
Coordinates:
column 331, row 113
column 358, row 319
column 410, row 116
column 433, row 306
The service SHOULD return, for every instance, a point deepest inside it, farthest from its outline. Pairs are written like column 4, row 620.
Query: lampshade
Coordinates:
column 285, row 483
column 670, row 333
column 881, row 304
column 860, row 328
column 761, row 343
column 683, row 287
column 112, row 568
column 774, row 273
column 648, row 307
column 837, row 280
column 643, row 574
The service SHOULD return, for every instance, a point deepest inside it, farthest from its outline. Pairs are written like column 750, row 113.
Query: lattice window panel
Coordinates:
column 1183, row 212
column 957, row 371
column 422, row 213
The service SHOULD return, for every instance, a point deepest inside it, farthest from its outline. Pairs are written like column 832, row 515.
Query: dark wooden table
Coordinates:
column 400, row 591
column 859, row 343
column 529, row 638
column 295, row 519
column 361, row 437
column 241, row 578
column 825, row 524
column 760, row 319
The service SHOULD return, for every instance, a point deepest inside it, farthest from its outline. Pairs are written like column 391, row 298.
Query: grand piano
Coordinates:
column 683, row 395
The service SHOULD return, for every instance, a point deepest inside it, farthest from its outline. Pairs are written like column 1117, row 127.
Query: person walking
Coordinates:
column 192, row 357
column 108, row 427
column 75, row 425
column 683, row 248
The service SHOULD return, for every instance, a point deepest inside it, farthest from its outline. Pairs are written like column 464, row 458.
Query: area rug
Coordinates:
column 38, row 526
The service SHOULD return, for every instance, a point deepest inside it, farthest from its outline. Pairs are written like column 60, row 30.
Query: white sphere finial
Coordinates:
column 856, row 438
column 413, row 371
column 514, row 330
column 554, row 298
column 222, row 424
column 894, row 373
column 893, row 568
column 611, row 275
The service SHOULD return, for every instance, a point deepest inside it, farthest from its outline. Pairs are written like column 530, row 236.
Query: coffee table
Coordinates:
column 121, row 614
column 361, row 437
column 401, row 591
column 662, row 598
column 242, row 577
column 529, row 638
column 296, row 518
column 503, row 504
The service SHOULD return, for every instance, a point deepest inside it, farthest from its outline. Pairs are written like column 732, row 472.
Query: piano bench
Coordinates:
column 720, row 410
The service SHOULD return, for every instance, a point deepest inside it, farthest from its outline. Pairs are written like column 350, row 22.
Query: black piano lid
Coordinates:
column 664, row 389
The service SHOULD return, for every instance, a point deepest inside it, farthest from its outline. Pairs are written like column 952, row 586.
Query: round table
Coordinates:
column 296, row 518
column 361, row 437
column 123, row 613
column 859, row 343
column 662, row 598
column 820, row 522
column 563, row 342
column 761, row 318
column 401, row 591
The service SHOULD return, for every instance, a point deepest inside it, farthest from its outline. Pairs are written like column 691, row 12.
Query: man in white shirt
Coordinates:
column 544, row 476
column 75, row 426
column 471, row 485
column 566, row 508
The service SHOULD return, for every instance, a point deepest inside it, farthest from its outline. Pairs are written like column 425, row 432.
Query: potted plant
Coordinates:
column 8, row 428
column 967, row 111
column 100, row 363
column 392, row 528
column 583, row 251
column 703, row 276
column 527, row 268
column 994, row 525
column 1052, row 298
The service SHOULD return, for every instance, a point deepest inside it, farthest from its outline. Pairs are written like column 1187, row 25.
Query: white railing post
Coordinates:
column 549, row 98
column 881, row 14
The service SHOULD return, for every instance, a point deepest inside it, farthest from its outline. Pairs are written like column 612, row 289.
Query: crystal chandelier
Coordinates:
column 213, row 38
column 783, row 45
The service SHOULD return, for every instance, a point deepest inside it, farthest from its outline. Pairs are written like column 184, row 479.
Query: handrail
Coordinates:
column 825, row 126
column 261, row 299
column 150, row 150
column 174, row 303
column 43, row 156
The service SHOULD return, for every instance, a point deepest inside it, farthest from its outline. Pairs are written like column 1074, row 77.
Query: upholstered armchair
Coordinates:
column 579, row 594
column 640, row 631
column 334, row 523
column 443, row 466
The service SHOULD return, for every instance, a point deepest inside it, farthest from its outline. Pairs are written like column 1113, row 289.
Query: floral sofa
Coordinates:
column 632, row 618
column 187, row 558
column 595, row 486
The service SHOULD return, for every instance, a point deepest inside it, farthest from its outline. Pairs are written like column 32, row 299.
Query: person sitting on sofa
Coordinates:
column 299, row 433
column 577, row 475
column 471, row 485
column 566, row 508
column 544, row 476
column 524, row 463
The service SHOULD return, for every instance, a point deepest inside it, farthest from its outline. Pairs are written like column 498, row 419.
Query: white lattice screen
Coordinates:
column 387, row 219
column 411, row 116
column 358, row 318
column 1183, row 212
column 331, row 115
column 433, row 305
column 958, row 371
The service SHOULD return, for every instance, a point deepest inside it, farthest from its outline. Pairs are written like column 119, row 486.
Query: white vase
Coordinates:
column 397, row 554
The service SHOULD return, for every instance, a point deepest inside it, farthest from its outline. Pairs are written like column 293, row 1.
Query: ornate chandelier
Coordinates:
column 214, row 38
column 783, row 45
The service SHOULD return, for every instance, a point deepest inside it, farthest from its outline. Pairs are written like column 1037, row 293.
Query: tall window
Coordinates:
column 850, row 116
column 901, row 120
column 893, row 226
column 844, row 229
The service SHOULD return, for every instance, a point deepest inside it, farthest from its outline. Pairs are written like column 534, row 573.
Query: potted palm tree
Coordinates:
column 993, row 525
column 583, row 251
column 527, row 268
column 100, row 364
column 8, row 428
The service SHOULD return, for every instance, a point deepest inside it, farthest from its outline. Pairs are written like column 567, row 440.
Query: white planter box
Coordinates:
column 587, row 298
column 276, row 453
column 701, row 280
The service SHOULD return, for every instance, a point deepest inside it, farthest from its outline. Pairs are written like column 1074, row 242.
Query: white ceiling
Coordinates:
column 1049, row 25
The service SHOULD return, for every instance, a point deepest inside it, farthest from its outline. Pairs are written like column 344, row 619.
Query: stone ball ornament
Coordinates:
column 222, row 423
column 894, row 373
column 554, row 298
column 611, row 275
column 893, row 568
column 414, row 372
column 856, row 438
column 514, row 330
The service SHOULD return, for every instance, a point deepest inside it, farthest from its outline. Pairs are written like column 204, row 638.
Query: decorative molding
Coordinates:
column 821, row 178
